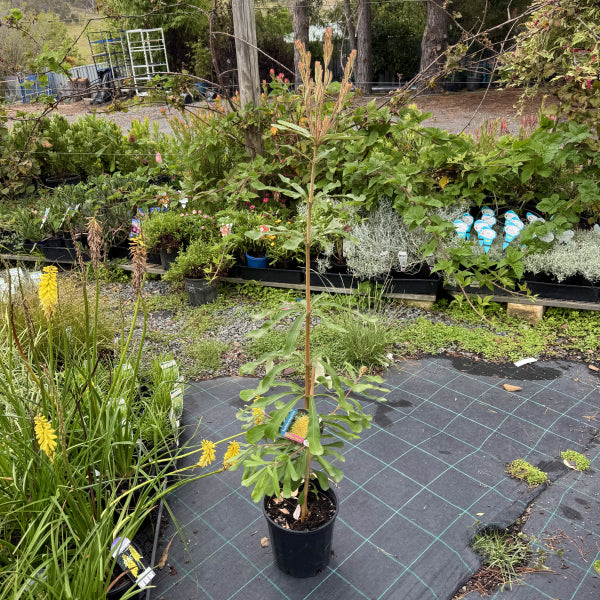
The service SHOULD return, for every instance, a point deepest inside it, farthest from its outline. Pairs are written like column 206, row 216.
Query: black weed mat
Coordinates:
column 418, row 485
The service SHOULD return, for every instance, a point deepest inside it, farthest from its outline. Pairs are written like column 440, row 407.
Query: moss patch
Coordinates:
column 521, row 469
column 576, row 461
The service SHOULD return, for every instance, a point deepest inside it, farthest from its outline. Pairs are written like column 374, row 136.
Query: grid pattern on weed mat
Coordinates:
column 417, row 486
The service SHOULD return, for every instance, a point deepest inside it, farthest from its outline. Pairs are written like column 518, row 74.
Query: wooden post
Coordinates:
column 244, row 28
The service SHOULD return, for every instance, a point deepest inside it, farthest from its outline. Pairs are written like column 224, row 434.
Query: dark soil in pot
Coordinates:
column 322, row 510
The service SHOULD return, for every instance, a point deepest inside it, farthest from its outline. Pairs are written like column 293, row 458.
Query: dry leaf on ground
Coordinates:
column 512, row 388
column 264, row 542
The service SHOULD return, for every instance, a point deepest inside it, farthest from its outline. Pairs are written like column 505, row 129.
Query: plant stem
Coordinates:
column 305, row 512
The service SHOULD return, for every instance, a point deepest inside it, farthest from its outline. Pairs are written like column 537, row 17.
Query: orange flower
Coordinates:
column 273, row 130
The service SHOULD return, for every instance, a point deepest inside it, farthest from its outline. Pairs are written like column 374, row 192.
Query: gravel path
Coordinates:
column 455, row 112
column 167, row 328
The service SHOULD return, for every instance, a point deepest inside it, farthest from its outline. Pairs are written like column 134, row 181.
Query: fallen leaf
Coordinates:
column 285, row 511
column 264, row 542
column 288, row 371
column 480, row 514
column 593, row 368
column 297, row 512
column 165, row 555
column 511, row 388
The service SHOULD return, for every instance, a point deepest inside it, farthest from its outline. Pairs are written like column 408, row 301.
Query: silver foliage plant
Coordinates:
column 377, row 241
column 581, row 256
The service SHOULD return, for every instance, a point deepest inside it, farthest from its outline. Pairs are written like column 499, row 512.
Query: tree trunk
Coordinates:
column 434, row 42
column 350, row 29
column 244, row 27
column 300, row 24
column 363, row 47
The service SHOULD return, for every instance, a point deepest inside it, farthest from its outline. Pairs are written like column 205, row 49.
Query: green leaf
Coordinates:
column 257, row 433
column 292, row 126
column 333, row 472
column 314, row 430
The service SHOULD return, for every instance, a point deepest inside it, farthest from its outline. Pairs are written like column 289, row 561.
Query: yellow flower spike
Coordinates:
column 208, row 453
column 48, row 291
column 46, row 438
column 258, row 415
column 232, row 451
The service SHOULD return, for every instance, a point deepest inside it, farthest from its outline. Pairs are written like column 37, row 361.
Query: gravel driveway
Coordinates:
column 453, row 111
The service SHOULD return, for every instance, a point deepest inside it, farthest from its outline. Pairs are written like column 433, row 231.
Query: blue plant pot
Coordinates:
column 253, row 262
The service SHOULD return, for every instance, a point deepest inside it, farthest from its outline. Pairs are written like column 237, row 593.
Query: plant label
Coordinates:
column 177, row 402
column 486, row 211
column 489, row 220
column 462, row 229
column 132, row 562
column 487, row 236
column 511, row 231
column 403, row 259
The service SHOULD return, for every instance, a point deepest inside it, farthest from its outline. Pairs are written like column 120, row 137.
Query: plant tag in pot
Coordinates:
column 177, row 402
column 489, row 220
column 403, row 259
column 132, row 562
column 295, row 426
column 486, row 237
column 462, row 229
column 486, row 211
column 511, row 231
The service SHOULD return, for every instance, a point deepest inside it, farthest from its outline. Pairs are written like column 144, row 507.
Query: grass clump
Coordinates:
column 575, row 460
column 503, row 552
column 521, row 469
column 206, row 355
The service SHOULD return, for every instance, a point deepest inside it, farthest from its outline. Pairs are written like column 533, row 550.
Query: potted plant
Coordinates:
column 205, row 259
column 294, row 434
column 170, row 231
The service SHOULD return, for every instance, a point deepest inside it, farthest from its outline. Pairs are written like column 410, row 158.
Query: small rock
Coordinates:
column 264, row 542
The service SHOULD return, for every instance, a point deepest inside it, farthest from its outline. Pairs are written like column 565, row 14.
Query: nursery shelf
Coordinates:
column 150, row 268
column 335, row 290
column 36, row 258
column 553, row 302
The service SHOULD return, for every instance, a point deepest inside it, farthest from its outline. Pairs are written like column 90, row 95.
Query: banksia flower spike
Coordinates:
column 46, row 438
column 95, row 241
column 48, row 291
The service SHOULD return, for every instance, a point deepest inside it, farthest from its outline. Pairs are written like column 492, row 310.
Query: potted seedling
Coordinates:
column 205, row 259
column 296, row 431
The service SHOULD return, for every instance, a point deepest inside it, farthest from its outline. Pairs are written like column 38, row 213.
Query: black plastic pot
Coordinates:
column 271, row 275
column 200, row 291
column 167, row 258
column 333, row 280
column 413, row 286
column 58, row 181
column 118, row 251
column 302, row 553
column 560, row 291
column 121, row 588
